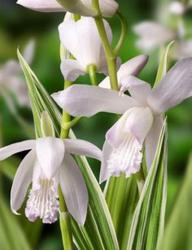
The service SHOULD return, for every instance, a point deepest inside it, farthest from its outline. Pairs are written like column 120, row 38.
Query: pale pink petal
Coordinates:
column 74, row 189
column 152, row 138
column 28, row 52
column 182, row 49
column 42, row 5
column 122, row 151
column 22, row 180
column 131, row 67
column 50, row 153
column 71, row 70
column 104, row 171
column 81, row 147
column 15, row 148
column 174, row 88
column 152, row 34
column 82, row 100
column 138, row 89
column 136, row 121
column 83, row 41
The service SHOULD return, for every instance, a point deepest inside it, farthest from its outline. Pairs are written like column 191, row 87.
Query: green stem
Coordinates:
column 65, row 223
column 110, row 56
column 123, row 22
column 91, row 69
column 72, row 123
column 66, row 118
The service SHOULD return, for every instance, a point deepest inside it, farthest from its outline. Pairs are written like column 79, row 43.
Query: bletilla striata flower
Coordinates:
column 49, row 164
column 11, row 80
column 141, row 120
column 153, row 35
column 81, row 7
column 82, row 40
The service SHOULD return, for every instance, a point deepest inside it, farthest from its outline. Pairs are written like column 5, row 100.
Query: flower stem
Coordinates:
column 110, row 55
column 91, row 69
column 123, row 34
column 65, row 223
column 66, row 118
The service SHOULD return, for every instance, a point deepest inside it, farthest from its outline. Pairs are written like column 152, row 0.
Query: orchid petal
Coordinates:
column 42, row 5
column 50, row 153
column 152, row 34
column 138, row 116
column 81, row 147
column 174, row 88
column 81, row 7
column 131, row 67
column 10, row 68
column 116, row 133
column 85, row 8
column 28, row 52
column 81, row 100
column 108, row 7
column 71, row 69
column 15, row 148
column 105, row 83
column 131, row 122
column 74, row 189
column 104, row 172
column 182, row 49
column 22, row 180
column 152, row 139
column 177, row 8
column 138, row 89
column 82, row 39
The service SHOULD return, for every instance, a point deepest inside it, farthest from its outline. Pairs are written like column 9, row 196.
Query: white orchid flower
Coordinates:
column 131, row 67
column 177, row 8
column 49, row 164
column 142, row 117
column 82, row 40
column 152, row 35
column 81, row 7
column 11, row 80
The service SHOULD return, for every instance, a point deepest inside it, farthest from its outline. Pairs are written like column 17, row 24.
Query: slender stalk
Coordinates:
column 123, row 22
column 66, row 118
column 91, row 69
column 65, row 223
column 110, row 56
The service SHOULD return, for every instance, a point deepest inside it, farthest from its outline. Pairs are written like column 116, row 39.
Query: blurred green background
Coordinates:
column 18, row 25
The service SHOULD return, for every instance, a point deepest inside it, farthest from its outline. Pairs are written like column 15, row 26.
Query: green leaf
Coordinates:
column 179, row 227
column 40, row 99
column 11, row 234
column 163, row 65
column 100, row 230
column 148, row 219
column 122, row 195
column 47, row 128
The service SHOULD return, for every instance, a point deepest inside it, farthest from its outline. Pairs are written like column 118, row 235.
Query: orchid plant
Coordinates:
column 55, row 176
